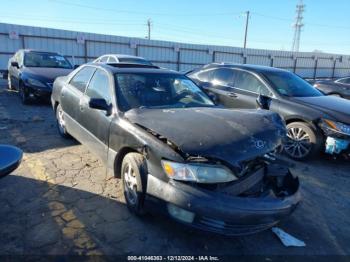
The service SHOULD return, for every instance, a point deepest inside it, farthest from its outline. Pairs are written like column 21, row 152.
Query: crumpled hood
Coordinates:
column 46, row 74
column 336, row 107
column 224, row 134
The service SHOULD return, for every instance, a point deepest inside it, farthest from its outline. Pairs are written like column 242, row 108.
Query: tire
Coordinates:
column 61, row 122
column 23, row 94
column 303, row 141
column 133, row 174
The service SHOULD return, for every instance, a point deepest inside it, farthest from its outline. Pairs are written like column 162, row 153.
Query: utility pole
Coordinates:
column 149, row 24
column 297, row 26
column 246, row 29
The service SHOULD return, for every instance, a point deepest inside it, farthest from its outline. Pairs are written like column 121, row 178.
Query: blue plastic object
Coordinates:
column 336, row 145
column 10, row 158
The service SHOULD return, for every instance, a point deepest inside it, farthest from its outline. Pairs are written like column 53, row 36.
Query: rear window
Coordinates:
column 134, row 61
column 81, row 79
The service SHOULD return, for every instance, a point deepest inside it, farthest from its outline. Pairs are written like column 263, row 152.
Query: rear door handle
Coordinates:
column 232, row 94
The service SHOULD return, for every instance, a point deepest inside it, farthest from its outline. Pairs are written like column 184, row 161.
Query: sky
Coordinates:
column 220, row 22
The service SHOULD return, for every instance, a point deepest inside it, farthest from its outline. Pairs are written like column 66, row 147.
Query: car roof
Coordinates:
column 37, row 51
column 134, row 68
column 122, row 56
column 249, row 67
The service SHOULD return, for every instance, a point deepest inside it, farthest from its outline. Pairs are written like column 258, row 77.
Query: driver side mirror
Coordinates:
column 14, row 64
column 213, row 97
column 100, row 104
column 263, row 102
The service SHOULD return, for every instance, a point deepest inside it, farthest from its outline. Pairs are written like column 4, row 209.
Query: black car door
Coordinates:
column 96, row 123
column 222, row 80
column 71, row 94
column 246, row 89
column 217, row 82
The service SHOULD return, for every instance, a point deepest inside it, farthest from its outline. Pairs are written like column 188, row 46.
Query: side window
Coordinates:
column 112, row 59
column 249, row 82
column 205, row 76
column 80, row 80
column 99, row 86
column 224, row 76
column 344, row 81
column 104, row 59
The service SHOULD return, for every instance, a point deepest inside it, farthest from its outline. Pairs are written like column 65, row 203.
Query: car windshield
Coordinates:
column 137, row 90
column 38, row 59
column 134, row 61
column 289, row 84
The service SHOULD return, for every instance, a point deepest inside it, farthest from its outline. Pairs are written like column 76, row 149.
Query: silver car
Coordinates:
column 119, row 58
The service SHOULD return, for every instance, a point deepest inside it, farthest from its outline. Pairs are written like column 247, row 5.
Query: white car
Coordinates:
column 118, row 58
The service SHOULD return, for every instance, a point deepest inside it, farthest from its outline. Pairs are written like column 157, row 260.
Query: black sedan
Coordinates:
column 339, row 87
column 32, row 73
column 314, row 121
column 175, row 151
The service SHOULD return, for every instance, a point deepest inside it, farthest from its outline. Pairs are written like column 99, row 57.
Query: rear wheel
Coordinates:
column 133, row 172
column 302, row 141
column 61, row 123
column 23, row 94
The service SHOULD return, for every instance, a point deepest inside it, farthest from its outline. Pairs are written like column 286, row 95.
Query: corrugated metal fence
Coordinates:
column 81, row 47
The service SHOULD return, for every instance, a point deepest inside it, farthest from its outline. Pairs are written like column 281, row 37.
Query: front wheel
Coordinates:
column 302, row 141
column 133, row 172
column 61, row 124
column 23, row 94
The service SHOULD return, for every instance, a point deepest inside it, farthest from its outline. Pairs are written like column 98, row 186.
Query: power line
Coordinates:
column 64, row 20
column 141, row 13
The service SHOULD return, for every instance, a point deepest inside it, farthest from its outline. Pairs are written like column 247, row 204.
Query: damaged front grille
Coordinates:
column 221, row 226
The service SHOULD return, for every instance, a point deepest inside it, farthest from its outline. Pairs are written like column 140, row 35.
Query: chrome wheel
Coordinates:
column 298, row 144
column 130, row 184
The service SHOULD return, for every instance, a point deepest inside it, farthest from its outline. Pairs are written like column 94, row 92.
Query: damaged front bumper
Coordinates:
column 337, row 137
column 228, row 210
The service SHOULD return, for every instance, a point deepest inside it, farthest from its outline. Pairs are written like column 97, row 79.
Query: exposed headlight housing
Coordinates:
column 35, row 82
column 333, row 126
column 199, row 173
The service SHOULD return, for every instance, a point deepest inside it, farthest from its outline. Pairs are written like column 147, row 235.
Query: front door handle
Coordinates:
column 232, row 94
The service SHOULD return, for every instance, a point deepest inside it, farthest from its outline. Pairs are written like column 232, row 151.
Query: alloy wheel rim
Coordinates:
column 130, row 184
column 299, row 143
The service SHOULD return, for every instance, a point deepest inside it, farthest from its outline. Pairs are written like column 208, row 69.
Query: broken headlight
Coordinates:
column 333, row 126
column 200, row 173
